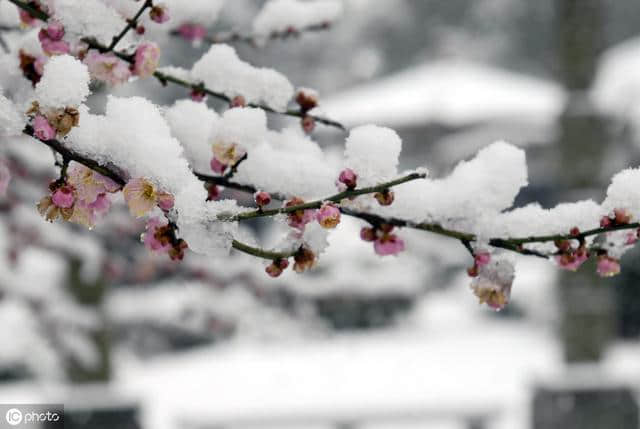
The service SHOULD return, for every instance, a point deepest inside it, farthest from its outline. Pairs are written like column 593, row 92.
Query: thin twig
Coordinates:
column 131, row 24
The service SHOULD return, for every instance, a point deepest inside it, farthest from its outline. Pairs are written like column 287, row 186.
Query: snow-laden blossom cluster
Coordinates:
column 170, row 165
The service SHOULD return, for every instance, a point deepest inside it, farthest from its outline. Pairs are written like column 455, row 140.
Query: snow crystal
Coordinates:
column 244, row 126
column 289, row 163
column 281, row 15
column 372, row 152
column 192, row 124
column 11, row 121
column 222, row 71
column 624, row 192
column 65, row 83
column 203, row 12
column 89, row 18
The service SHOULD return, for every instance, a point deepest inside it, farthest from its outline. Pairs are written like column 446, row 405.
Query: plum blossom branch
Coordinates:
column 31, row 10
column 261, row 253
column 349, row 193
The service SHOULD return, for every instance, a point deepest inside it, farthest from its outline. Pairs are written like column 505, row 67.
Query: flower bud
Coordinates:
column 308, row 124
column 328, row 216
column 262, row 198
column 349, row 178
column 385, row 198
column 159, row 13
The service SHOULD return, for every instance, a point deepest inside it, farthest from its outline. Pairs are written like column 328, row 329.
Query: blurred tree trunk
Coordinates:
column 90, row 294
column 588, row 305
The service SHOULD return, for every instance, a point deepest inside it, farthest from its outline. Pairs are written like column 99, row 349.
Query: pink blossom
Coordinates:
column 388, row 244
column 192, row 32
column 107, row 67
column 277, row 267
column 493, row 283
column 217, row 166
column 262, row 198
column 238, row 101
column 25, row 18
column 5, row 177
column 368, row 234
column 198, row 96
column 154, row 238
column 165, row 201
column 622, row 216
column 51, row 39
column 299, row 218
column 87, row 214
column 572, row 259
column 632, row 238
column 227, row 153
column 213, row 191
column 43, row 129
column 607, row 266
column 308, row 124
column 159, row 13
column 349, row 178
column 482, row 258
column 140, row 195
column 63, row 197
column 88, row 184
column 328, row 216
column 146, row 59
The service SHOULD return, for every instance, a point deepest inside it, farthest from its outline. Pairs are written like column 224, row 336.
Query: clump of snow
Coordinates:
column 222, row 71
column 134, row 136
column 624, row 192
column 281, row 15
column 475, row 190
column 372, row 152
column 192, row 124
column 246, row 127
column 290, row 163
column 65, row 83
column 11, row 121
column 8, row 14
column 89, row 18
column 204, row 12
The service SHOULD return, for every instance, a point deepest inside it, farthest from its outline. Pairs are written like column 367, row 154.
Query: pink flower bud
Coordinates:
column 308, row 124
column 277, row 267
column 384, row 198
column 607, row 266
column 299, row 218
column 349, row 178
column 632, row 238
column 63, row 197
column 368, row 234
column 213, row 191
column 388, row 244
column 198, row 95
column 238, row 101
column 146, row 59
column 572, row 259
column 159, row 13
column 622, row 216
column 217, row 166
column 192, row 32
column 156, row 238
column 43, row 129
column 165, row 201
column 328, row 216
column 605, row 222
column 107, row 67
column 482, row 258
column 54, row 30
column 307, row 99
column 262, row 198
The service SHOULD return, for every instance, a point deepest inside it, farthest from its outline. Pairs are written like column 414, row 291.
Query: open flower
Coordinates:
column 156, row 238
column 492, row 286
column 51, row 39
column 226, row 153
column 328, row 216
column 142, row 196
column 388, row 244
column 88, row 184
column 107, row 67
column 572, row 259
column 146, row 59
column 63, row 197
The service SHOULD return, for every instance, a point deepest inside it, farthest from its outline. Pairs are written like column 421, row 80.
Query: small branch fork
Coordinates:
column 165, row 78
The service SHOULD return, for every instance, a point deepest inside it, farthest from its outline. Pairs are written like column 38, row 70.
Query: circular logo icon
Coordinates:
column 14, row 416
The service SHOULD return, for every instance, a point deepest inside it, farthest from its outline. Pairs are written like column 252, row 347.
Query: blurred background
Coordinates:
column 126, row 339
